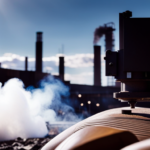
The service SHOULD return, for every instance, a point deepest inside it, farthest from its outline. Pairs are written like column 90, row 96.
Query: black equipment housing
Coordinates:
column 131, row 64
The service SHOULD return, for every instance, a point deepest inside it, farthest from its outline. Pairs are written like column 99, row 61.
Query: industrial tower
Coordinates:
column 107, row 31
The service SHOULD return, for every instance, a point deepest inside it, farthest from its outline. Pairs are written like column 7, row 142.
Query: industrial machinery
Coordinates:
column 113, row 129
column 131, row 64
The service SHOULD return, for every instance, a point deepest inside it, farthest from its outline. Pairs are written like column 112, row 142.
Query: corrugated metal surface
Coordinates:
column 136, row 123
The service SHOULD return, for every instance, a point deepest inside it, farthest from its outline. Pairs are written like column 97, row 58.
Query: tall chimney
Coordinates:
column 38, row 63
column 61, row 68
column 97, row 65
column 26, row 63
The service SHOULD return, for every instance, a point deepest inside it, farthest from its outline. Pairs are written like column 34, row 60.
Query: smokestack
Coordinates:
column 97, row 65
column 26, row 63
column 61, row 68
column 38, row 63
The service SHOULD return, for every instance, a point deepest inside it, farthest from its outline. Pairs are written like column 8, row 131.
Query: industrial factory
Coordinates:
column 83, row 98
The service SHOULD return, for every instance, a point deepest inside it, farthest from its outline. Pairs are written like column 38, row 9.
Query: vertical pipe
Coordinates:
column 39, row 43
column 26, row 63
column 97, row 65
column 121, row 30
column 61, row 68
column 109, row 40
column 109, row 46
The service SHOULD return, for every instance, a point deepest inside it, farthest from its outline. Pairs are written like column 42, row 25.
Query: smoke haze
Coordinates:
column 98, row 34
column 23, row 113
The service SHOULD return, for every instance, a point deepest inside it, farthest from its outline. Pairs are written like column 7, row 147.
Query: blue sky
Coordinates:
column 63, row 22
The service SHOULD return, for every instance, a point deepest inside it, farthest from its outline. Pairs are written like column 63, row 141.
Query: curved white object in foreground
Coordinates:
column 143, row 145
column 138, row 123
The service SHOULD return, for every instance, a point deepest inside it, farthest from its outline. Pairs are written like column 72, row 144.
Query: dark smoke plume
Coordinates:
column 98, row 33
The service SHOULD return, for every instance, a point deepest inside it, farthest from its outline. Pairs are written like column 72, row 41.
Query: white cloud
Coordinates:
column 50, row 65
column 15, row 61
column 79, row 60
column 5, row 66
column 11, row 57
column 81, row 78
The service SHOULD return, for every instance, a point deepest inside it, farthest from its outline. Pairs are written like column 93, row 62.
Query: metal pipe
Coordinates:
column 39, row 43
column 61, row 68
column 97, row 65
column 26, row 63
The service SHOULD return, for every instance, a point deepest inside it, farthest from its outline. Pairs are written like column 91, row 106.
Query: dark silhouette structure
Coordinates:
column 39, row 43
column 130, row 65
column 116, row 128
column 109, row 28
column 26, row 63
column 97, row 65
column 100, row 97
column 106, row 30
column 28, row 77
column 61, row 68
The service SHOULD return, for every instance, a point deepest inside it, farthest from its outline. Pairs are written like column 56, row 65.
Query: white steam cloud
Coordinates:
column 23, row 113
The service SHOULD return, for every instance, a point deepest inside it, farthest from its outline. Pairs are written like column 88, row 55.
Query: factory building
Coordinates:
column 84, row 98
column 28, row 77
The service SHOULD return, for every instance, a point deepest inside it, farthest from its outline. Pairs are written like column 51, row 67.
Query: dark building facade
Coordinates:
column 28, row 77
